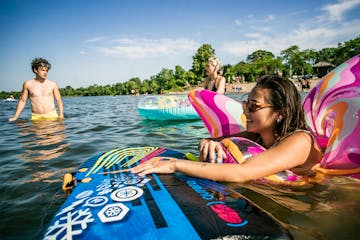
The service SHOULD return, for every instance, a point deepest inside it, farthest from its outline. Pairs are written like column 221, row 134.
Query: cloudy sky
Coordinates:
column 106, row 41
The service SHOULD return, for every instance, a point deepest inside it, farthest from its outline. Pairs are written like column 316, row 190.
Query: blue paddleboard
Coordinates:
column 108, row 203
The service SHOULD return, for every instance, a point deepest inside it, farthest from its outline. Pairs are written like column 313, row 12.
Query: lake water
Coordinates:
column 35, row 156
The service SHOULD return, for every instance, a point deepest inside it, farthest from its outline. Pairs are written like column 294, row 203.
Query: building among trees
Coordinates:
column 322, row 68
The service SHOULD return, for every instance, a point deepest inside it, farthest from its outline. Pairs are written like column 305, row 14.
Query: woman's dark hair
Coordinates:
column 40, row 62
column 285, row 99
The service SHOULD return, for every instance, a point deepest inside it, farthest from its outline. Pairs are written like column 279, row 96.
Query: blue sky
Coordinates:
column 105, row 41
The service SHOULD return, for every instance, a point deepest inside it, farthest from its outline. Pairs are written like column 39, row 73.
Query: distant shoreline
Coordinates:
column 246, row 87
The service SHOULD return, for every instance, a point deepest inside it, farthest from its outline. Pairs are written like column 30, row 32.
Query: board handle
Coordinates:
column 68, row 182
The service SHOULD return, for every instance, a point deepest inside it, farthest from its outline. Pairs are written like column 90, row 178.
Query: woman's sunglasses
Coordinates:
column 251, row 106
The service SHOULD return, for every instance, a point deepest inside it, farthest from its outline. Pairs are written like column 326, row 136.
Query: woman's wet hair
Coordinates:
column 286, row 100
column 40, row 62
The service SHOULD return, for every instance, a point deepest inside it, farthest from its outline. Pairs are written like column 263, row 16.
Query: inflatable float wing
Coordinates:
column 166, row 107
column 222, row 116
column 332, row 112
column 110, row 202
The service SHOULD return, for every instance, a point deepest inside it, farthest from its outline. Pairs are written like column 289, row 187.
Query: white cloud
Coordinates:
column 336, row 11
column 269, row 18
column 254, row 35
column 305, row 37
column 143, row 47
column 252, row 20
column 238, row 22
column 309, row 34
column 95, row 39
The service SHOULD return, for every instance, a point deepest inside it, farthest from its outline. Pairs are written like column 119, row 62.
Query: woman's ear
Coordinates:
column 281, row 116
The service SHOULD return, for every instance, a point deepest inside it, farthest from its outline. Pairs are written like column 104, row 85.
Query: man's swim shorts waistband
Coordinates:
column 46, row 116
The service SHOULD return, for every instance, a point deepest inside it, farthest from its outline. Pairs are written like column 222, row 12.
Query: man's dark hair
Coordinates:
column 40, row 62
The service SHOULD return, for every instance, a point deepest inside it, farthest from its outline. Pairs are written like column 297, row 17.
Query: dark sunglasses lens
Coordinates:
column 244, row 105
column 252, row 106
column 249, row 106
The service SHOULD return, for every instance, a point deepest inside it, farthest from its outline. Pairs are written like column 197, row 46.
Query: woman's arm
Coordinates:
column 211, row 146
column 221, row 85
column 205, row 82
column 291, row 152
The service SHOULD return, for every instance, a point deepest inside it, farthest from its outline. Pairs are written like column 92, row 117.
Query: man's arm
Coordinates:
column 59, row 102
column 22, row 102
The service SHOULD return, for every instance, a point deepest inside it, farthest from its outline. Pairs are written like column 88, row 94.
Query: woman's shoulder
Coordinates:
column 255, row 137
column 297, row 132
column 298, row 137
column 221, row 78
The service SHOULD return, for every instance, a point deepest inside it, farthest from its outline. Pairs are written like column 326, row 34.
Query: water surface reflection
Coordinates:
column 42, row 140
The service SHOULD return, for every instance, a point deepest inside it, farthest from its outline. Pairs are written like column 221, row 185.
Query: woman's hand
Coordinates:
column 211, row 151
column 156, row 165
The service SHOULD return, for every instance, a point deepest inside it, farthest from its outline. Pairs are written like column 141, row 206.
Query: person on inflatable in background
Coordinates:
column 214, row 81
column 42, row 93
column 275, row 120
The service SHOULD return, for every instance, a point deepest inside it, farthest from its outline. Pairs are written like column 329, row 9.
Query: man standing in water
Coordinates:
column 42, row 93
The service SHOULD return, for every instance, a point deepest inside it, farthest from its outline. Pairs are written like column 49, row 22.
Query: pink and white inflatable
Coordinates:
column 332, row 113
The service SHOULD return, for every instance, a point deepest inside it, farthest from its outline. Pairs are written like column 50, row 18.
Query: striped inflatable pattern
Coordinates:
column 332, row 111
column 221, row 115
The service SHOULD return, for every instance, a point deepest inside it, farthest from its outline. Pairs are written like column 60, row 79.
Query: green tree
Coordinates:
column 263, row 62
column 180, row 76
column 247, row 70
column 120, row 88
column 200, row 59
column 293, row 60
column 347, row 50
column 326, row 55
column 191, row 78
column 228, row 72
column 259, row 55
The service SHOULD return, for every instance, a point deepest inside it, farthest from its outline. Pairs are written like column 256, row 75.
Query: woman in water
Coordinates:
column 275, row 120
column 214, row 81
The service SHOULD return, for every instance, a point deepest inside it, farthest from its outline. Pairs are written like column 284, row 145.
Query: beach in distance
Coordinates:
column 247, row 86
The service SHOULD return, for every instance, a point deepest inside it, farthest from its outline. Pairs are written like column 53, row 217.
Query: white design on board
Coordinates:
column 96, row 201
column 105, row 191
column 144, row 181
column 73, row 223
column 117, row 184
column 84, row 194
column 108, row 184
column 113, row 212
column 132, row 181
column 127, row 194
column 72, row 206
column 105, row 184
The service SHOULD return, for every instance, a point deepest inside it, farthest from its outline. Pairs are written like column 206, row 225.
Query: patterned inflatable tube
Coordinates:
column 166, row 107
column 238, row 149
column 332, row 111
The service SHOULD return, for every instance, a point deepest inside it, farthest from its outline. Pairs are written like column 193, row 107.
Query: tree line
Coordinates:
column 292, row 61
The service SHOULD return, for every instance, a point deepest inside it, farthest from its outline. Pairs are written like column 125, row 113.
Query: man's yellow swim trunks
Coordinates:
column 47, row 116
